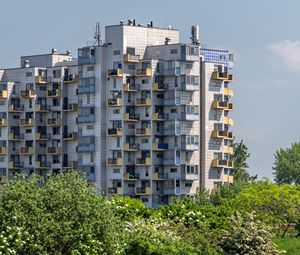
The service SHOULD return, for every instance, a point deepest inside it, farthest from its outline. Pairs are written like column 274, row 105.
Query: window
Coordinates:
column 30, row 160
column 90, row 127
column 117, row 52
column 28, row 74
column 145, row 81
column 131, row 185
column 174, row 110
column 57, row 73
column 174, row 51
column 118, row 141
column 116, row 111
column 90, row 68
column 28, row 131
column 30, row 103
column 116, row 171
column 131, row 67
column 173, row 170
column 188, row 185
column 131, row 126
column 145, row 140
column 145, row 200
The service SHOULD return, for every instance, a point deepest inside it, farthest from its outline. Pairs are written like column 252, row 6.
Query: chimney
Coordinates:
column 53, row 51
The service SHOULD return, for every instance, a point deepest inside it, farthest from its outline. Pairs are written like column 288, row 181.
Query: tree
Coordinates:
column 287, row 165
column 240, row 168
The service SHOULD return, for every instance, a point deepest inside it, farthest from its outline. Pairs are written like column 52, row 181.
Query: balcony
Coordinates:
column 189, row 87
column 42, row 137
column 144, row 72
column 70, row 165
column 227, row 178
column 26, row 151
column 143, row 102
column 70, row 108
column 222, row 163
column 86, row 89
column 131, row 177
column 219, row 105
column 159, row 176
column 172, row 161
column 86, row 118
column 86, row 147
column 156, row 116
column 115, row 102
column 40, row 79
column 42, row 164
column 222, row 76
column 156, row 87
column 15, row 109
column 228, row 121
column 115, row 132
column 189, row 176
column 28, row 93
column 160, row 146
column 27, row 122
column 115, row 191
column 54, row 93
column 3, row 94
column 190, row 116
column 131, row 117
column 15, row 137
column 3, row 179
column 115, row 72
column 15, row 165
column 71, row 137
column 189, row 147
column 3, row 122
column 143, row 132
column 143, row 191
column 54, row 150
column 115, row 162
column 42, row 108
column 220, row 134
column 143, row 161
column 130, row 147
column 228, row 92
column 128, row 58
column 229, row 150
column 72, row 78
column 54, row 122
column 3, row 151
column 127, row 87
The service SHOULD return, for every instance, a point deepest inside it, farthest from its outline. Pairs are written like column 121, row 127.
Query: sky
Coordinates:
column 263, row 35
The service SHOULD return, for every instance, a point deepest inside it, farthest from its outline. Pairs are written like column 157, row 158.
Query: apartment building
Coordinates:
column 142, row 114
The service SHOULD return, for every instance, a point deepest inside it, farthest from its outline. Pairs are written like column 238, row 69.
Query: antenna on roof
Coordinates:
column 97, row 34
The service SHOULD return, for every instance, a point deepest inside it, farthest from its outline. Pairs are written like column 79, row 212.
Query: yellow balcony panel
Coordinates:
column 71, row 137
column 131, row 177
column 222, row 163
column 15, row 109
column 127, row 87
column 70, row 165
column 54, row 122
column 28, row 93
column 72, row 78
column 143, row 102
column 115, row 72
column 3, row 94
column 157, row 87
column 130, row 147
column 159, row 176
column 158, row 116
column 159, row 146
column 115, row 102
column 143, row 191
column 54, row 93
column 15, row 165
column 15, row 137
column 3, row 151
column 143, row 131
column 128, row 58
column 54, row 150
column 3, row 179
column 40, row 80
column 42, row 137
column 27, row 122
column 115, row 191
column 130, row 117
column 228, row 149
column 143, row 162
column 41, row 108
column 3, row 122
column 228, row 92
column 115, row 162
column 26, row 150
column 147, row 72
column 222, row 76
column 219, row 105
column 42, row 165
column 71, row 108
column 115, row 132
column 228, row 121
column 220, row 134
column 227, row 178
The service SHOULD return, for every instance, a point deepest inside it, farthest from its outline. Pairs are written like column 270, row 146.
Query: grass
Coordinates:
column 290, row 244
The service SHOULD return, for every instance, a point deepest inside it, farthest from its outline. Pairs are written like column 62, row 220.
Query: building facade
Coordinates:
column 141, row 114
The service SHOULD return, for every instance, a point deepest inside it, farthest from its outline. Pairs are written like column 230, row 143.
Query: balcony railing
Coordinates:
column 157, row 87
column 222, row 163
column 147, row 72
column 228, row 92
column 3, row 151
column 227, row 178
column 131, row 176
column 159, row 176
column 115, row 72
column 157, row 116
column 42, row 108
column 115, row 191
column 143, row 102
column 220, row 105
column 115, row 161
column 54, row 93
column 72, row 78
column 54, row 122
column 86, row 89
column 143, row 161
column 130, row 147
column 71, row 137
column 13, row 136
column 220, row 134
column 228, row 121
column 54, row 150
column 229, row 150
column 15, row 108
column 143, row 191
column 42, row 164
column 116, row 102
column 40, row 79
column 86, row 118
column 71, row 107
column 3, row 94
column 131, row 117
column 26, row 150
column 41, row 136
column 223, row 76
column 15, row 164
column 128, row 58
column 143, row 131
column 131, row 87
column 70, row 164
column 159, row 146
column 3, row 122
column 28, row 93
column 27, row 122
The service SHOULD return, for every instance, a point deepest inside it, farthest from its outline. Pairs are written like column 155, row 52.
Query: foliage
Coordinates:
column 61, row 216
column 290, row 245
column 240, row 168
column 273, row 204
column 287, row 167
column 247, row 237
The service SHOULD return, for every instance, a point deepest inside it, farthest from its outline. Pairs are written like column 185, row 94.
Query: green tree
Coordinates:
column 287, row 165
column 240, row 169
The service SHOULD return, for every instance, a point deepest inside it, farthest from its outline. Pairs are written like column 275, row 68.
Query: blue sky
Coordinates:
column 263, row 35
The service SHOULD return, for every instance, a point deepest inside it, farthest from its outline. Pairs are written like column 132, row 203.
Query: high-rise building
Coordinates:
column 141, row 114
